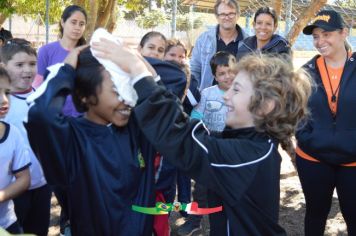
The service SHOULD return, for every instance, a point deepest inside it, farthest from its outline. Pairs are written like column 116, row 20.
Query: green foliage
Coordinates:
column 186, row 24
column 151, row 19
column 137, row 7
column 31, row 8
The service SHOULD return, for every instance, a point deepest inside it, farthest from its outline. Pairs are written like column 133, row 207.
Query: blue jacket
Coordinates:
column 100, row 167
column 277, row 45
column 324, row 137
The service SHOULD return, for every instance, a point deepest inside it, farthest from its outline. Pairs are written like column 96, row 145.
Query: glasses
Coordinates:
column 227, row 15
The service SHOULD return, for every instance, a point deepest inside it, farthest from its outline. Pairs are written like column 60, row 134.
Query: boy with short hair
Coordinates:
column 211, row 108
column 33, row 207
column 14, row 161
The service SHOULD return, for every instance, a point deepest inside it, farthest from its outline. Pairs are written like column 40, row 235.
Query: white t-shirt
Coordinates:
column 16, row 115
column 14, row 157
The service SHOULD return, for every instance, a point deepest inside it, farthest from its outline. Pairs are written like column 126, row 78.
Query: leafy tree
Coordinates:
column 152, row 19
column 31, row 8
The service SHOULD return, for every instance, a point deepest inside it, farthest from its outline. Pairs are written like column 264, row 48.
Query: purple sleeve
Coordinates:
column 50, row 54
column 42, row 61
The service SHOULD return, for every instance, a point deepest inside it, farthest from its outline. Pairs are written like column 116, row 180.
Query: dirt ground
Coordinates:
column 291, row 211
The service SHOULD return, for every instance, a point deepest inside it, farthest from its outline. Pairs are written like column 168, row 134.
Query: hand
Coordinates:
column 72, row 58
column 120, row 54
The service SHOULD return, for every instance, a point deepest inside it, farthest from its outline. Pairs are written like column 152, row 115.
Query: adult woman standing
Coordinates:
column 326, row 151
column 265, row 23
column 71, row 26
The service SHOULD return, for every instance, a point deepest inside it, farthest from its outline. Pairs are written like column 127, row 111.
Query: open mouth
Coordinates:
column 124, row 112
column 4, row 110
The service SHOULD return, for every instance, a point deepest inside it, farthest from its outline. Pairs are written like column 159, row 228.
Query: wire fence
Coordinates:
column 129, row 29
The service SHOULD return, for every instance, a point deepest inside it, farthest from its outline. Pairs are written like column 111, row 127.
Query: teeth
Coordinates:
column 125, row 112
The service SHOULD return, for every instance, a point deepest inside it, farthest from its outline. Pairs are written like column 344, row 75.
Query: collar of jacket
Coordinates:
column 251, row 42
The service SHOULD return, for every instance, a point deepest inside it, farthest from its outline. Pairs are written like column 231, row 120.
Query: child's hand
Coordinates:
column 72, row 58
column 123, row 56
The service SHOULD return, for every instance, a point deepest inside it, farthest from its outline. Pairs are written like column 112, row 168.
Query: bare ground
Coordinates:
column 291, row 211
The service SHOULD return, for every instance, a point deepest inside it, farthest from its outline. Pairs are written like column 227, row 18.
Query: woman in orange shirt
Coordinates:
column 326, row 147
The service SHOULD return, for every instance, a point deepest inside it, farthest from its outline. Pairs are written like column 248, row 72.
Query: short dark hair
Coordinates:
column 14, row 46
column 221, row 58
column 266, row 10
column 230, row 3
column 68, row 12
column 4, row 74
column 89, row 77
column 5, row 35
column 149, row 35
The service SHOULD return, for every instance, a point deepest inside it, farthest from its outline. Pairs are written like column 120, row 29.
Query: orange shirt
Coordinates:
column 335, row 78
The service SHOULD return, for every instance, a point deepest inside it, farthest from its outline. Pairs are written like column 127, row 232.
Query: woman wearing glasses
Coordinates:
column 265, row 40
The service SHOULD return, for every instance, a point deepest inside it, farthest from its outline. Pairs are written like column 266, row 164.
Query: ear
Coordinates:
column 84, row 100
column 275, row 28
column 62, row 23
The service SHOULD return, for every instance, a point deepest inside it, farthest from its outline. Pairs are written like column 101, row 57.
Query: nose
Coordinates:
column 3, row 99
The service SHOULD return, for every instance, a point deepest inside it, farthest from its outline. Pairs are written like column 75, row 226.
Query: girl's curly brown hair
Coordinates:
column 275, row 82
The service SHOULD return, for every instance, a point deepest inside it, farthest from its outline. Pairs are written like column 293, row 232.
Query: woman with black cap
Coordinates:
column 326, row 144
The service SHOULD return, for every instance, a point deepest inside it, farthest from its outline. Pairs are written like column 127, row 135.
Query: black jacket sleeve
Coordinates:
column 191, row 148
column 49, row 130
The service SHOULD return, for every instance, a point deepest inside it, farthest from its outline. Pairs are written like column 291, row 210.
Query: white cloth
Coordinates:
column 120, row 78
column 53, row 71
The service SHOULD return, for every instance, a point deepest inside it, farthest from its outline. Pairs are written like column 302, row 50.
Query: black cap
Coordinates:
column 328, row 20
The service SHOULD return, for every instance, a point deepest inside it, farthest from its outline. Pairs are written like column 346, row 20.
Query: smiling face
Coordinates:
column 4, row 96
column 329, row 43
column 237, row 99
column 153, row 47
column 264, row 27
column 74, row 26
column 226, row 16
column 224, row 77
column 22, row 70
column 108, row 109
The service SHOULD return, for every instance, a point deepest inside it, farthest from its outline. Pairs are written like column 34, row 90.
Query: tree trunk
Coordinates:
column 2, row 19
column 304, row 18
column 111, row 25
column 104, row 13
column 277, row 6
column 92, row 13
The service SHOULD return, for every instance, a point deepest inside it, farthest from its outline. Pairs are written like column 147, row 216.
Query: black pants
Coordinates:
column 318, row 182
column 33, row 210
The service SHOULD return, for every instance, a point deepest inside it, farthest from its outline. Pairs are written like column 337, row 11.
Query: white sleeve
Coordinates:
column 21, row 154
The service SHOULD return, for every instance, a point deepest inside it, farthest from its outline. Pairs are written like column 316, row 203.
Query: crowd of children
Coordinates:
column 79, row 137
